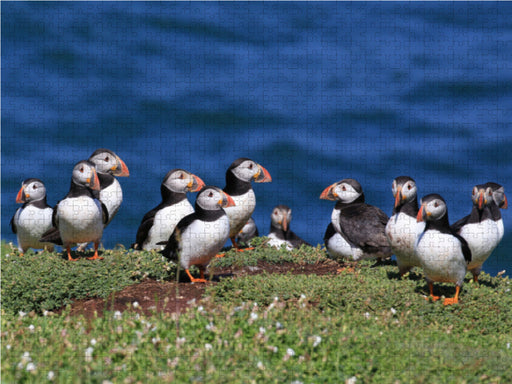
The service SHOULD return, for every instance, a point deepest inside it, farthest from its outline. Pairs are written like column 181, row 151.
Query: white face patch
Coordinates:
column 346, row 193
column 246, row 170
column 104, row 161
column 35, row 190
column 81, row 173
column 178, row 181
column 436, row 208
column 210, row 199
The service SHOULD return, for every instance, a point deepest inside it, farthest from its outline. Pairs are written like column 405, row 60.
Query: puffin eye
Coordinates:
column 107, row 159
column 210, row 194
column 343, row 188
column 82, row 169
column 436, row 204
column 181, row 176
column 34, row 186
column 409, row 187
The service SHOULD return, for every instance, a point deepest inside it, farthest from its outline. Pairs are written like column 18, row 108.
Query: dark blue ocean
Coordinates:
column 315, row 92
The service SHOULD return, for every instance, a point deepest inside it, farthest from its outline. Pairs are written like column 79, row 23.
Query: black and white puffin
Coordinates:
column 158, row 224
column 108, row 165
column 280, row 232
column 358, row 227
column 479, row 228
column 80, row 217
column 33, row 218
column 402, row 228
column 498, row 194
column 444, row 254
column 199, row 236
column 238, row 185
column 249, row 231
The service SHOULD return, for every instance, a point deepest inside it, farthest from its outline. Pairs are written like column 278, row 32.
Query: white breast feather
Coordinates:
column 241, row 212
column 80, row 219
column 31, row 222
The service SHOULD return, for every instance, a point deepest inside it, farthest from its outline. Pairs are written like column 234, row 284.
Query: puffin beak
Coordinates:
column 227, row 201
column 481, row 193
column 504, row 203
column 421, row 213
column 285, row 224
column 262, row 176
column 196, row 184
column 21, row 197
column 328, row 193
column 120, row 169
column 398, row 197
column 94, row 182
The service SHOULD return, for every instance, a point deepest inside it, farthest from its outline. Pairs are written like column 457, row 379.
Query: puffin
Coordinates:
column 199, row 236
column 158, row 224
column 402, row 228
column 358, row 229
column 79, row 217
column 444, row 254
column 108, row 165
column 238, row 185
column 33, row 218
column 498, row 194
column 479, row 228
column 249, row 231
column 280, row 232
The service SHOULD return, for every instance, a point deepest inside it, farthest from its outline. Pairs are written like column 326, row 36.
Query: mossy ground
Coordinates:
column 367, row 325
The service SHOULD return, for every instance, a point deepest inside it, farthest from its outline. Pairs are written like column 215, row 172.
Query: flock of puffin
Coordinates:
column 419, row 235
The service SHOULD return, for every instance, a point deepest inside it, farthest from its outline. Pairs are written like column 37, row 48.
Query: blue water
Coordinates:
column 315, row 92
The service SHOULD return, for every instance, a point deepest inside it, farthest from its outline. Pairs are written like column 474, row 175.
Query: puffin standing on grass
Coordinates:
column 238, row 185
column 358, row 227
column 280, row 232
column 199, row 236
column 80, row 217
column 158, row 224
column 444, row 255
column 479, row 228
column 402, row 228
column 33, row 218
column 498, row 195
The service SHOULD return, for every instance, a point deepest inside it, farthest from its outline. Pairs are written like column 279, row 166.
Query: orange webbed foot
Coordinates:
column 220, row 255
column 450, row 300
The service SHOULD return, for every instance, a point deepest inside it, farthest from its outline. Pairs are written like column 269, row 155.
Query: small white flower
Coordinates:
column 367, row 315
column 88, row 354
column 93, row 342
column 262, row 330
column 276, row 298
column 25, row 358
column 8, row 346
column 200, row 308
column 302, row 296
column 135, row 304
column 260, row 365
column 208, row 346
column 210, row 326
column 393, row 311
column 351, row 380
column 22, row 314
column 31, row 327
column 118, row 315
column 51, row 375
column 254, row 316
column 155, row 340
column 317, row 340
column 508, row 345
column 279, row 325
column 31, row 367
column 290, row 352
column 45, row 313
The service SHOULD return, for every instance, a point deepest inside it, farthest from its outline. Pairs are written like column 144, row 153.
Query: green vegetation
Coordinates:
column 367, row 326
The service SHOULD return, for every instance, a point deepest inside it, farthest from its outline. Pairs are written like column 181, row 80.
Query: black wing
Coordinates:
column 172, row 248
column 54, row 215
column 329, row 232
column 51, row 236
column 105, row 212
column 12, row 223
column 144, row 227
column 295, row 240
column 457, row 226
column 364, row 226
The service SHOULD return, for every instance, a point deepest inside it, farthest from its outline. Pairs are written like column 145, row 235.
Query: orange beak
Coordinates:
column 328, row 193
column 504, row 204
column 285, row 224
column 227, row 201
column 196, row 185
column 20, row 197
column 420, row 214
column 94, row 183
column 480, row 199
column 121, row 170
column 398, row 197
column 262, row 176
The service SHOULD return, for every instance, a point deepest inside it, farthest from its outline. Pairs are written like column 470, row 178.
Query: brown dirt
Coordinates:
column 171, row 297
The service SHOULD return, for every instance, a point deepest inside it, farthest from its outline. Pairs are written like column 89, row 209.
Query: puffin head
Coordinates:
column 248, row 170
column 281, row 217
column 31, row 190
column 404, row 190
column 433, row 208
column 107, row 161
column 84, row 174
column 346, row 191
column 181, row 181
column 212, row 198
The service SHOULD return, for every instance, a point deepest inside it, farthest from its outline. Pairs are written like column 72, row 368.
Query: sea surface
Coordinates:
column 315, row 92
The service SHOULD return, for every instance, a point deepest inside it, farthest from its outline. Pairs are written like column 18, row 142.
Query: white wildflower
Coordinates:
column 279, row 325
column 254, row 316
column 22, row 314
column 8, row 346
column 51, row 375
column 260, row 365
column 276, row 298
column 118, row 315
column 210, row 326
column 93, row 342
column 351, row 380
column 31, row 367
column 393, row 311
column 25, row 358
column 155, row 340
column 508, row 345
column 88, row 354
column 367, row 315
column 200, row 308
column 45, row 313
column 31, row 327
column 262, row 330
column 290, row 352
column 302, row 296
column 135, row 304
column 208, row 346
column 316, row 341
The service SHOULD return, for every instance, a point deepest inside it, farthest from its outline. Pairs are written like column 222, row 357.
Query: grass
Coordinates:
column 368, row 326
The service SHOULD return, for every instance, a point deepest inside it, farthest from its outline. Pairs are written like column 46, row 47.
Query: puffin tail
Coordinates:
column 51, row 236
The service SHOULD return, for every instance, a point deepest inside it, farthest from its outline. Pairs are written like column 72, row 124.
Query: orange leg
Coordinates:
column 237, row 248
column 475, row 278
column 431, row 289
column 69, row 254
column 193, row 279
column 95, row 257
column 453, row 300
